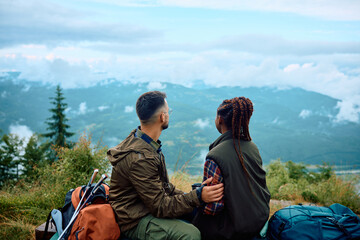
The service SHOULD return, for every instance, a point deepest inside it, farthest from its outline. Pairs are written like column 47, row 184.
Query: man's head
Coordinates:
column 151, row 108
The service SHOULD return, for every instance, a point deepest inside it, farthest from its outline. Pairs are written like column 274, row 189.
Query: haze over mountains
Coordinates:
column 291, row 124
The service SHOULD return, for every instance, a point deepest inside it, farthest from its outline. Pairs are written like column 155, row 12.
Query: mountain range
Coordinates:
column 290, row 124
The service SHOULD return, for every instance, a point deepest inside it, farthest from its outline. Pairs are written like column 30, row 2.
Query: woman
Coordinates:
column 234, row 160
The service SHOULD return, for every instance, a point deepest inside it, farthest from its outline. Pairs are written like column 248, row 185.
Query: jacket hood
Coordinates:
column 130, row 144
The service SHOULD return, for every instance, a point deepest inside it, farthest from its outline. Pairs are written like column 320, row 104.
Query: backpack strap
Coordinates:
column 76, row 196
column 57, row 219
column 107, row 190
column 340, row 226
column 46, row 227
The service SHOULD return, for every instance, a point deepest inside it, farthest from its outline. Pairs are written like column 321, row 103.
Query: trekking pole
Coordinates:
column 92, row 193
column 103, row 177
column 86, row 189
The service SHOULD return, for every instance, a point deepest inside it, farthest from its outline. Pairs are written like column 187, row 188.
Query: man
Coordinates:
column 234, row 160
column 146, row 204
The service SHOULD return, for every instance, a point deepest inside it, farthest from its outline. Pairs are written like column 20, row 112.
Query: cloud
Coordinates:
column 202, row 123
column 275, row 121
column 57, row 71
column 22, row 131
column 54, row 24
column 4, row 94
column 335, row 75
column 102, row 108
column 26, row 88
column 113, row 141
column 305, row 113
column 68, row 110
column 294, row 67
column 330, row 9
column 155, row 86
column 269, row 45
column 129, row 109
column 250, row 43
column 349, row 110
column 202, row 155
column 82, row 108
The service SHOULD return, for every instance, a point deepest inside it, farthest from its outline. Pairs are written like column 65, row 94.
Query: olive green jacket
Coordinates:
column 139, row 185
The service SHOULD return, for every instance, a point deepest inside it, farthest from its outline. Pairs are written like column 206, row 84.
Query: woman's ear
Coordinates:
column 220, row 119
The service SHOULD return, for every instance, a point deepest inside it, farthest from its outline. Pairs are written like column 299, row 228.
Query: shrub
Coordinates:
column 277, row 176
column 28, row 204
column 310, row 196
column 291, row 181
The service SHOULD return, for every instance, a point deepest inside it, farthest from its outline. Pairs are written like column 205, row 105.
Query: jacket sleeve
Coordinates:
column 176, row 191
column 144, row 175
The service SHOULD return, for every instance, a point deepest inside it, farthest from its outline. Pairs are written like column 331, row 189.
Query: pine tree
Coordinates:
column 10, row 148
column 33, row 158
column 57, row 122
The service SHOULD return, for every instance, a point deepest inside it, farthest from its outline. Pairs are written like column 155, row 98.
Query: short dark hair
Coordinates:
column 148, row 104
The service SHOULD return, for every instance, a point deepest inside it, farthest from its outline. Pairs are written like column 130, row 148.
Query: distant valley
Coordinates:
column 291, row 124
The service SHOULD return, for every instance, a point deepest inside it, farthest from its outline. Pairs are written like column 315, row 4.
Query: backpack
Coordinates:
column 94, row 221
column 313, row 222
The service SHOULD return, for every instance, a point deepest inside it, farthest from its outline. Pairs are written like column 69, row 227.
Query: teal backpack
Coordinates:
column 312, row 222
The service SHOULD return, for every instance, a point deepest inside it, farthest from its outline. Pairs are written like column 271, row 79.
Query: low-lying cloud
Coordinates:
column 336, row 75
column 82, row 108
column 23, row 131
column 155, row 86
column 349, row 110
column 202, row 123
column 305, row 113
column 102, row 108
column 129, row 109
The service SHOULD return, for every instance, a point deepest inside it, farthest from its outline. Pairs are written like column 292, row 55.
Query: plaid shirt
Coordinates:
column 211, row 169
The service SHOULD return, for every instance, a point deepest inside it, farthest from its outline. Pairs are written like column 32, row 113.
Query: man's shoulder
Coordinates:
column 133, row 144
column 140, row 154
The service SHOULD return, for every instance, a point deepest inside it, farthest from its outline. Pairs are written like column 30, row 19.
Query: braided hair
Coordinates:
column 236, row 113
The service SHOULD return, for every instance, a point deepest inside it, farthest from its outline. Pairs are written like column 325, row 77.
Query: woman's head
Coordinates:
column 236, row 114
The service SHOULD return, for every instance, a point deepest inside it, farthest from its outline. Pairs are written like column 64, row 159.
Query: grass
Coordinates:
column 22, row 210
column 24, row 206
column 16, row 227
column 322, row 188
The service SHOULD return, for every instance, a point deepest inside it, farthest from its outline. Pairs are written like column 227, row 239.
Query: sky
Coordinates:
column 314, row 45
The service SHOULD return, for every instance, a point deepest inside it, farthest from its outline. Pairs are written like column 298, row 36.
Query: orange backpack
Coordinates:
column 95, row 221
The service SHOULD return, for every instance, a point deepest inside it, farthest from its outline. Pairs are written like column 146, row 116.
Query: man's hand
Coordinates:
column 212, row 193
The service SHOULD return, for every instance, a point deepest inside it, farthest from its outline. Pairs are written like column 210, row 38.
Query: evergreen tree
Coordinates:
column 57, row 122
column 10, row 148
column 33, row 158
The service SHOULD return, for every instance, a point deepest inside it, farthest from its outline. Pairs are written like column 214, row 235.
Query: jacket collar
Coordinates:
column 223, row 137
column 140, row 134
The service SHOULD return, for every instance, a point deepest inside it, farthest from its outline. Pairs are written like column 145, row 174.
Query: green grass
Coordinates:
column 24, row 206
column 290, row 181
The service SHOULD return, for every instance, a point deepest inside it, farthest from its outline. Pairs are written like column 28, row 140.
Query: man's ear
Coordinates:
column 162, row 117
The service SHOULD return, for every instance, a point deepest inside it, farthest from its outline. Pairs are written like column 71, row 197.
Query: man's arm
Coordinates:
column 176, row 190
column 145, row 178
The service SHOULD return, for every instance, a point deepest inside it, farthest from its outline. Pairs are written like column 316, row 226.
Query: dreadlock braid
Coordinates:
column 236, row 113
